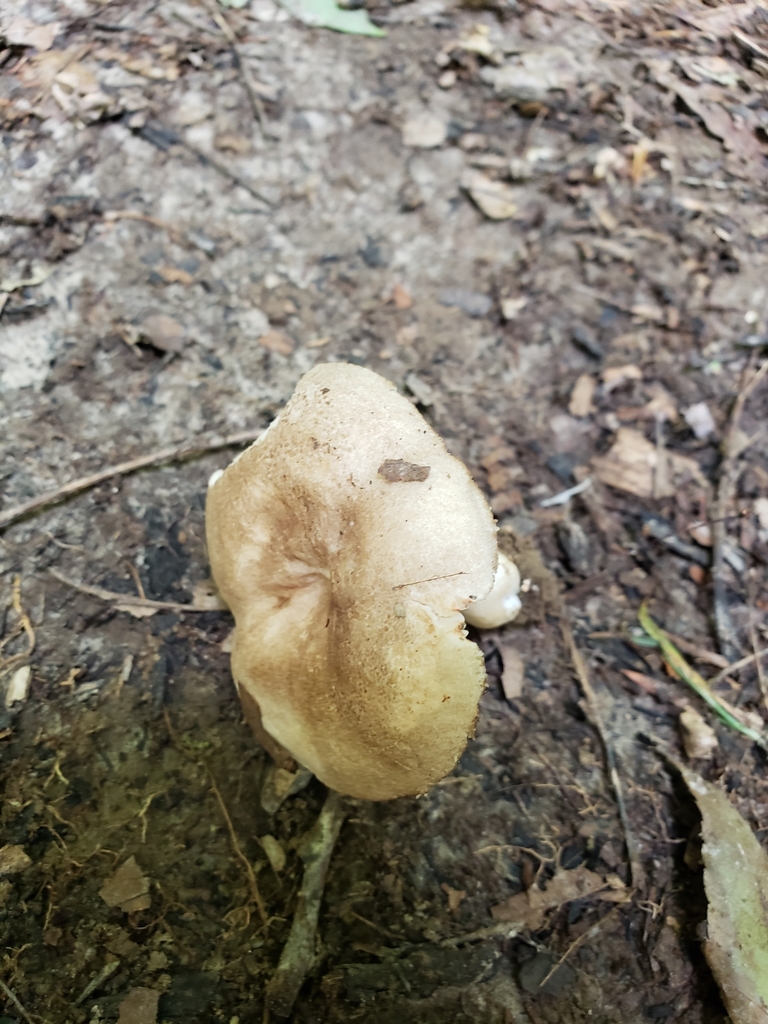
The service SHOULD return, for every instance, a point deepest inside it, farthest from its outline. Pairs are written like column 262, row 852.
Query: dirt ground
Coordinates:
column 547, row 223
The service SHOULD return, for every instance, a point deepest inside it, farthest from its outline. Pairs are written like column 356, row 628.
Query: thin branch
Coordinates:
column 128, row 600
column 250, row 874
column 734, row 446
column 637, row 875
column 250, row 87
column 13, row 998
column 84, row 483
column 737, row 666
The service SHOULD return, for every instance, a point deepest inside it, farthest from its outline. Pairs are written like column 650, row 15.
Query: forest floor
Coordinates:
column 547, row 223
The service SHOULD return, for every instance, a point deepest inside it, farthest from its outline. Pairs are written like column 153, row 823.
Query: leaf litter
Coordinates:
column 736, row 884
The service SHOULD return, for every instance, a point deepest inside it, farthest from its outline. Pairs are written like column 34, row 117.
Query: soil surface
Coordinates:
column 548, row 225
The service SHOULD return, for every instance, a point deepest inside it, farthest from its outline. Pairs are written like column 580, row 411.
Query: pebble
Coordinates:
column 472, row 303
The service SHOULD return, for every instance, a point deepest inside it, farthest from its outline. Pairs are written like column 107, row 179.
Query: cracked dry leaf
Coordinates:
column 736, row 884
column 635, row 465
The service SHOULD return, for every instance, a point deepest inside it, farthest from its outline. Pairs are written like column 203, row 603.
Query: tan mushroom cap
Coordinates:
column 347, row 541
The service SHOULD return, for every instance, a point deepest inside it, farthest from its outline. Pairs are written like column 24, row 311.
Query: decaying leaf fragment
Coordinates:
column 736, row 884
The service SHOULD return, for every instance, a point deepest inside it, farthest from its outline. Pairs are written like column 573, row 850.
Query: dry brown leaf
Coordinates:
column 128, row 888
column 494, row 198
column 529, row 908
column 633, row 464
column 582, row 395
column 278, row 342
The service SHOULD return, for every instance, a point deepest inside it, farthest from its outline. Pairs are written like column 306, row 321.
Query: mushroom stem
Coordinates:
column 503, row 603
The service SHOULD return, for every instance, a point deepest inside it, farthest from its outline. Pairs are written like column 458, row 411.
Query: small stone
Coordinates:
column 425, row 131
column 700, row 420
column 474, row 304
column 447, row 80
column 511, row 307
column 163, row 332
column 18, row 687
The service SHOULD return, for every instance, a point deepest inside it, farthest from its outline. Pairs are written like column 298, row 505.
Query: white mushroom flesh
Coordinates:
column 503, row 603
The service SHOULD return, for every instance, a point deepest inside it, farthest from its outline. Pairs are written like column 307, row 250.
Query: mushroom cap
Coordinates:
column 347, row 541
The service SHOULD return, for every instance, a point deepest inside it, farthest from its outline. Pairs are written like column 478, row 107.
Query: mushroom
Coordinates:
column 347, row 542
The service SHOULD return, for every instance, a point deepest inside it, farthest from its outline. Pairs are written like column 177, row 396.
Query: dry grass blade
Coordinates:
column 84, row 483
column 22, row 626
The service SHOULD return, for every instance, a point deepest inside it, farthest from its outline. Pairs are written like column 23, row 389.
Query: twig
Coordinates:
column 299, row 951
column 110, row 216
column 106, row 972
column 590, row 933
column 84, row 483
column 253, row 885
column 737, row 666
column 636, row 873
column 24, row 625
column 14, row 999
column 734, row 446
column 256, row 105
column 217, row 165
column 127, row 601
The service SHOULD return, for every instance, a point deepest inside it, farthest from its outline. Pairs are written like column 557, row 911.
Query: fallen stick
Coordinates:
column 84, row 483
column 124, row 602
column 734, row 446
column 636, row 873
column 299, row 951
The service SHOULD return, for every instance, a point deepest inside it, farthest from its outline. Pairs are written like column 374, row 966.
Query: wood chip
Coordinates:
column 278, row 342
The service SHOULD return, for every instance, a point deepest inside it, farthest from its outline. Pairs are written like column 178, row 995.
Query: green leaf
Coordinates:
column 325, row 14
